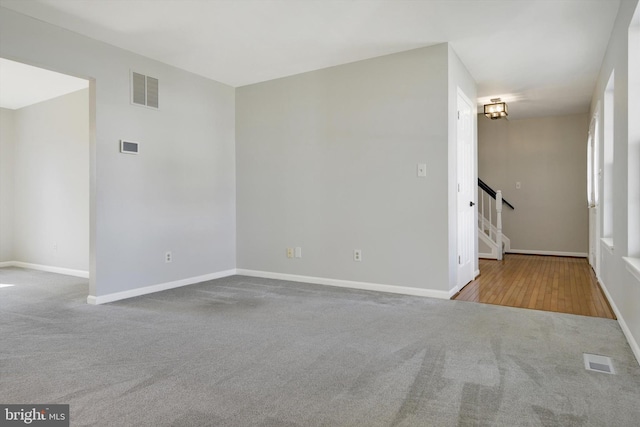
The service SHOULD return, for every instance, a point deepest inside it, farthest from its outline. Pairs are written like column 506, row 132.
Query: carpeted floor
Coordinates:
column 242, row 351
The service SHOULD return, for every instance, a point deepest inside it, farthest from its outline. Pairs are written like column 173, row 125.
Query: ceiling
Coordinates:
column 528, row 52
column 23, row 85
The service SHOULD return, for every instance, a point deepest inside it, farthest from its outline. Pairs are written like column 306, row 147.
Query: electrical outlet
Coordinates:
column 289, row 252
column 298, row 252
column 168, row 256
column 357, row 255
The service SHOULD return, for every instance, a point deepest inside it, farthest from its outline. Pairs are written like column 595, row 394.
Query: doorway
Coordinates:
column 466, row 191
column 539, row 282
column 45, row 174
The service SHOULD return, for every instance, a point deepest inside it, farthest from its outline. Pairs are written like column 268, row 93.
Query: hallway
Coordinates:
column 548, row 283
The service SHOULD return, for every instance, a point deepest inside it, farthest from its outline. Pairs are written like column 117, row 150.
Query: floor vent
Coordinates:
column 593, row 362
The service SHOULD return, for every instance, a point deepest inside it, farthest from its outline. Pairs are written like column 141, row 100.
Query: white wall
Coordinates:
column 621, row 286
column 51, row 182
column 326, row 161
column 548, row 157
column 178, row 194
column 7, row 144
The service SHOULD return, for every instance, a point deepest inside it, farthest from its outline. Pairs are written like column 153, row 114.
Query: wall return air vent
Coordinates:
column 128, row 147
column 144, row 90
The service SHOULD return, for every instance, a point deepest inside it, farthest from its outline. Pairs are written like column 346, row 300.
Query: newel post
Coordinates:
column 499, row 223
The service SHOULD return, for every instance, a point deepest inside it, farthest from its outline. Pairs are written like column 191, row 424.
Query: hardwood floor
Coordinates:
column 561, row 284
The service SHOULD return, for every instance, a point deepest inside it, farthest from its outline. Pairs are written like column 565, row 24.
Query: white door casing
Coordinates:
column 593, row 190
column 466, row 191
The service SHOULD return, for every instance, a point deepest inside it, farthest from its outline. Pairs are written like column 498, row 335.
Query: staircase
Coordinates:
column 492, row 243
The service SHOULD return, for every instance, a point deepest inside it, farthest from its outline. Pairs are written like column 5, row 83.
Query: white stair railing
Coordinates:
column 490, row 221
column 499, row 223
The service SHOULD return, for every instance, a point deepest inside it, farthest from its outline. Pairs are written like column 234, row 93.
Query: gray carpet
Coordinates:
column 242, row 351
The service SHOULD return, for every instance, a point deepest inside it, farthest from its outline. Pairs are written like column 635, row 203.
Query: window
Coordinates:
column 607, row 187
column 633, row 230
column 593, row 189
column 633, row 183
column 593, row 161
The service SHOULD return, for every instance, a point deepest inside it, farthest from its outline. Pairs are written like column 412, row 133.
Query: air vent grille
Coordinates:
column 144, row 90
column 152, row 92
column 139, row 89
column 593, row 362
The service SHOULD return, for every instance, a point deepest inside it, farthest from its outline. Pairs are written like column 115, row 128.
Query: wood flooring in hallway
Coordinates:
column 549, row 283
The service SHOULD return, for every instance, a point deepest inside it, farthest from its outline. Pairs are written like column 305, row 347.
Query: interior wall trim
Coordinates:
column 116, row 296
column 378, row 287
column 552, row 253
column 623, row 325
column 51, row 269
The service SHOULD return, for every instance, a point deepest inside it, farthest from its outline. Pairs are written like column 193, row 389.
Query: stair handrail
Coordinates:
column 499, row 223
column 491, row 192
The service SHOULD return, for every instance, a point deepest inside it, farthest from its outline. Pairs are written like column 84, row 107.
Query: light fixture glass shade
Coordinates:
column 496, row 110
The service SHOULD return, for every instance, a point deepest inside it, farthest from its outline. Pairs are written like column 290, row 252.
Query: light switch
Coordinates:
column 518, row 185
column 422, row 169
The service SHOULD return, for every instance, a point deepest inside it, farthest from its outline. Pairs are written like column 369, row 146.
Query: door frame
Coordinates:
column 466, row 273
column 595, row 172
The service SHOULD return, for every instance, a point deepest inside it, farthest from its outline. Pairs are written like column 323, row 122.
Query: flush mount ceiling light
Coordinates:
column 496, row 110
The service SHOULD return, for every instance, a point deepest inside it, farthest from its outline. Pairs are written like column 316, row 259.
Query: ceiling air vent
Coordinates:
column 144, row 90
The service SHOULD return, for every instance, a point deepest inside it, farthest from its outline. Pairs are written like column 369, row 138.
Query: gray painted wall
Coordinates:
column 548, row 156
column 178, row 194
column 327, row 161
column 620, row 284
column 7, row 144
column 51, row 182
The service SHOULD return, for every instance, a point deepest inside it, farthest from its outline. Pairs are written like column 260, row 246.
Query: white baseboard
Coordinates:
column 116, row 296
column 486, row 256
column 455, row 290
column 403, row 290
column 553, row 253
column 623, row 325
column 49, row 268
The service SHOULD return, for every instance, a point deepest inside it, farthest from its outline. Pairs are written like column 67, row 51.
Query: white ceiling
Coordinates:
column 22, row 85
column 528, row 51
